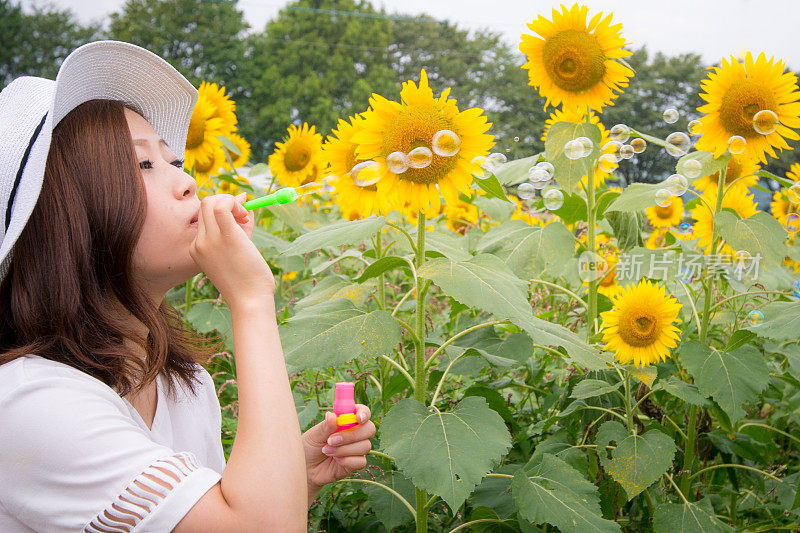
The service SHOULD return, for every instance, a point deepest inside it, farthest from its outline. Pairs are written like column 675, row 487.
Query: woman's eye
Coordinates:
column 146, row 164
column 178, row 163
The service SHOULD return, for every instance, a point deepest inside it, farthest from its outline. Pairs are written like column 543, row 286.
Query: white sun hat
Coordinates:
column 30, row 107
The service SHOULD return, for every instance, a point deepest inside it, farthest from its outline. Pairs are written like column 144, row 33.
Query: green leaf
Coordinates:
column 336, row 234
column 495, row 493
column 589, row 388
column 445, row 453
column 387, row 507
column 380, row 266
column 448, row 244
column 516, row 171
column 638, row 460
column 492, row 188
column 266, row 241
column 229, row 145
column 710, row 165
column 731, row 378
column 574, row 209
column 687, row 392
column 568, row 172
column 499, row 210
column 334, row 333
column 257, row 169
column 485, row 282
column 634, row 197
column 696, row 517
column 627, row 228
column 539, row 250
column 206, row 317
column 291, row 214
column 781, row 321
column 549, row 490
column 498, row 237
column 761, row 235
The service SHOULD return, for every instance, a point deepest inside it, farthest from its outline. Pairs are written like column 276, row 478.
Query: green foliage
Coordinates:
column 568, row 172
column 695, row 517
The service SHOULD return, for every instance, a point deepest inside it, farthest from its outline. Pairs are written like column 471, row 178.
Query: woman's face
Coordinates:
column 161, row 257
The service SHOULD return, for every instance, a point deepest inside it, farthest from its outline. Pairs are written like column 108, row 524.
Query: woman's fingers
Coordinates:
column 345, row 450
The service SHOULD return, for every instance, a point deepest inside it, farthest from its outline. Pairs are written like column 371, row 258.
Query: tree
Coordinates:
column 202, row 40
column 36, row 44
column 317, row 61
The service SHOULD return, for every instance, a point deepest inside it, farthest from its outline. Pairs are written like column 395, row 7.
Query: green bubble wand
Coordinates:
column 287, row 195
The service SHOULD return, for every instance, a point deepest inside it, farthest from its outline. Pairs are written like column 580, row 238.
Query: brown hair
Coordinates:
column 75, row 254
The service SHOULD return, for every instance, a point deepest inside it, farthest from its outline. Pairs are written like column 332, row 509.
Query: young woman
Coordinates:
column 107, row 420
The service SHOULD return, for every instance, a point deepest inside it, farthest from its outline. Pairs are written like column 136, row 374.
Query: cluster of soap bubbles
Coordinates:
column 445, row 143
column 540, row 176
column 578, row 148
column 616, row 147
column 675, row 185
column 484, row 166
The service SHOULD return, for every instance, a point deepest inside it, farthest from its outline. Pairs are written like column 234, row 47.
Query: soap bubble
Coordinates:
column 626, row 151
column 663, row 197
column 516, row 139
column 539, row 174
column 481, row 166
column 397, row 162
column 366, row 173
column 792, row 222
column 737, row 144
column 541, row 184
column 755, row 318
column 445, row 143
column 639, row 145
column 498, row 159
column 613, row 148
column 420, row 157
column 526, row 191
column 676, row 184
column 794, row 193
column 796, row 288
column 685, row 228
column 587, row 143
column 553, row 199
column 546, row 166
column 765, row 122
column 670, row 115
column 694, row 127
column 327, row 183
column 574, row 149
column 619, row 132
column 678, row 144
column 607, row 162
column 692, row 168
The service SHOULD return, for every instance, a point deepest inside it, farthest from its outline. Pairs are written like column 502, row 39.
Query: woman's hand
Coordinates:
column 328, row 462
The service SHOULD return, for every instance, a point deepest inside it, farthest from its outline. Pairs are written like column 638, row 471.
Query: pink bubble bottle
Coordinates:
column 344, row 405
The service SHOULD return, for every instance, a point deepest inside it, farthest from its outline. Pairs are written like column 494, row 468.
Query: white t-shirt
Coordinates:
column 76, row 456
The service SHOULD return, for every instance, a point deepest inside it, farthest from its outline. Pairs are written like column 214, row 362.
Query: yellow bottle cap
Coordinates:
column 346, row 418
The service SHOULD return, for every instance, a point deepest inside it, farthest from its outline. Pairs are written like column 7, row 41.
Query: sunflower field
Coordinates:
column 541, row 348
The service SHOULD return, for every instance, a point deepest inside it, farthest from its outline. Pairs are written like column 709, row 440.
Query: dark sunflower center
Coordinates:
column 413, row 127
column 204, row 166
column 640, row 329
column 742, row 100
column 297, row 157
column 197, row 132
column 574, row 60
column 664, row 212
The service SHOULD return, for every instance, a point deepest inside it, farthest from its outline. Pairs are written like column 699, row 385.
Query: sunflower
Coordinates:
column 401, row 127
column 664, row 217
column 204, row 169
column 576, row 115
column 222, row 102
column 355, row 202
column 201, row 139
column 574, row 63
column 656, row 239
column 522, row 212
column 298, row 159
column 735, row 92
column 460, row 216
column 608, row 285
column 736, row 199
column 738, row 167
column 244, row 149
column 639, row 327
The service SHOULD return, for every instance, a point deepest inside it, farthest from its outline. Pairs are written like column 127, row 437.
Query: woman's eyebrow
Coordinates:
column 146, row 142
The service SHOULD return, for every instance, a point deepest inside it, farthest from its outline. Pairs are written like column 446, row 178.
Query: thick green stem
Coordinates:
column 189, row 294
column 419, row 361
column 708, row 285
column 378, row 255
column 591, row 215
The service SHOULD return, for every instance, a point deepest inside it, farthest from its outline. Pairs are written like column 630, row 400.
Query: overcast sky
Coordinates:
column 712, row 28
